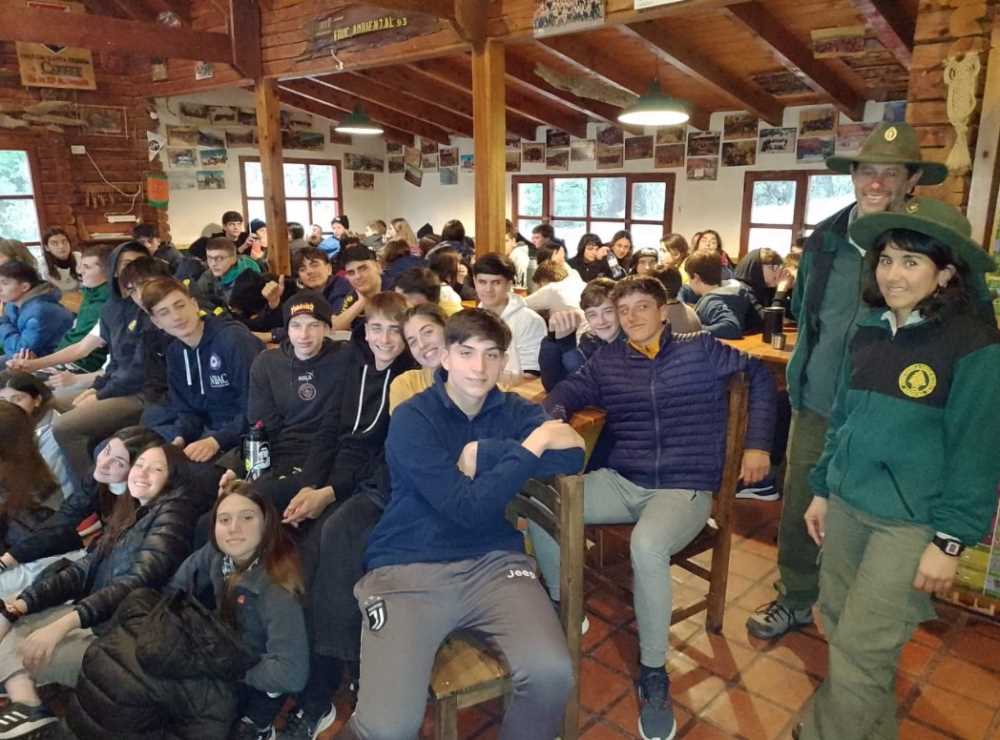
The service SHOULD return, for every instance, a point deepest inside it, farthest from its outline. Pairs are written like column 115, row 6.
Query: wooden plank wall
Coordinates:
column 63, row 201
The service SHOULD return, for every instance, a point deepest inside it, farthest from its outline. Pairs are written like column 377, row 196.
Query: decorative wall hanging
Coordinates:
column 960, row 74
column 103, row 120
column 563, row 16
column 586, row 87
column 830, row 43
column 51, row 65
column 361, row 27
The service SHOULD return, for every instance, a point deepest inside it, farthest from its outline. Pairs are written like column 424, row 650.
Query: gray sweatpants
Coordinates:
column 666, row 520
column 64, row 667
column 408, row 610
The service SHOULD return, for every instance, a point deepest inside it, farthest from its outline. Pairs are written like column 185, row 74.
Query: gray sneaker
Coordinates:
column 656, row 712
column 773, row 620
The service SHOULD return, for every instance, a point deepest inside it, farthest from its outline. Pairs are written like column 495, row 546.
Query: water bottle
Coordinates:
column 256, row 452
column 617, row 271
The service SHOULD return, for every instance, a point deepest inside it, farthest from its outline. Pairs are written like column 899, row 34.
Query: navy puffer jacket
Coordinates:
column 667, row 415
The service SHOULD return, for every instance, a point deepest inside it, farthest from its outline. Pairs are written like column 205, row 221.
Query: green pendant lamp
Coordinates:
column 358, row 123
column 654, row 108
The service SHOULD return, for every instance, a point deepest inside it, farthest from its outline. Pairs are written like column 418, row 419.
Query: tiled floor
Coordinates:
column 730, row 686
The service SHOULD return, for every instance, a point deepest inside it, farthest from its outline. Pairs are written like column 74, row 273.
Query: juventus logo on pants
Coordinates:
column 376, row 615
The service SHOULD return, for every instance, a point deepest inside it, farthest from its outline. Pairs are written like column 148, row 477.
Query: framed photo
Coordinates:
column 776, row 140
column 392, row 147
column 448, row 175
column 639, row 147
column 817, row 122
column 582, row 150
column 704, row 145
column 669, row 155
column 210, row 139
column 212, row 157
column 702, row 168
column 564, row 16
column 246, row 116
column 739, row 153
column 396, row 165
column 429, row 162
column 739, row 126
column 556, row 139
column 103, row 120
column 610, row 156
column 195, row 112
column 364, row 181
column 181, row 157
column 513, row 159
column 363, row 162
column 532, row 152
column 211, row 179
column 413, row 175
column 448, row 156
column 557, row 159
column 240, row 139
column 671, row 135
column 850, row 136
column 468, row 162
column 182, row 136
column 814, row 148
column 428, row 147
column 610, row 135
column 222, row 115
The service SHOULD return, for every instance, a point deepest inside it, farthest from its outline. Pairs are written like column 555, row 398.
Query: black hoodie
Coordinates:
column 123, row 324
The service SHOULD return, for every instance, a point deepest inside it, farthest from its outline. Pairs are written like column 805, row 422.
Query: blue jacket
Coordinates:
column 330, row 245
column 36, row 322
column 560, row 358
column 122, row 325
column 667, row 416
column 209, row 385
column 729, row 310
column 437, row 514
column 393, row 270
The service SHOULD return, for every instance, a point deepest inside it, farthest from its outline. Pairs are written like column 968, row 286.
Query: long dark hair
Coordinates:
column 136, row 439
column 50, row 260
column 24, row 476
column 27, row 383
column 952, row 298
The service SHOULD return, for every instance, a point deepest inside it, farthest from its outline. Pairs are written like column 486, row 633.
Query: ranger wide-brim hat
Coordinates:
column 933, row 218
column 891, row 143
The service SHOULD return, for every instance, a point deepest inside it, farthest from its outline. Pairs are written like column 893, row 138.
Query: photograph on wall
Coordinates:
column 298, row 139
column 532, row 152
column 739, row 126
column 300, row 121
column 671, row 135
column 181, row 180
column 396, row 165
column 814, row 148
column 468, row 162
column 610, row 156
column 448, row 175
column 566, row 16
column 338, row 138
column 639, row 147
column 556, row 139
column 241, row 139
column 246, row 116
column 581, row 150
column 428, row 147
column 182, row 136
column 610, row 135
column 211, row 179
column 393, row 147
column 363, row 162
column 702, row 168
column 195, row 112
column 850, row 136
column 557, row 159
column 210, row 139
column 739, row 153
column 704, row 145
column 413, row 175
column 777, row 140
column 448, row 156
column 103, row 120
column 513, row 160
column 212, row 157
column 833, row 43
column 429, row 162
column 817, row 122
column 181, row 157
column 894, row 111
column 411, row 155
column 364, row 181
column 669, row 155
column 222, row 115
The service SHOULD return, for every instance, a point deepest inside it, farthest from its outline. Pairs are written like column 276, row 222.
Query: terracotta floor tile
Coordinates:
column 610, row 606
column 952, row 713
column 705, row 731
column 734, row 627
column 718, row 655
column 736, row 586
column 691, row 685
column 492, row 732
column 599, row 686
column 976, row 647
column 620, row 652
column 984, row 627
column 599, row 630
column 777, row 682
column 749, row 716
column 968, row 680
column 625, row 715
column 910, row 730
column 752, row 566
column 756, row 596
column 603, row 731
column 801, row 652
column 915, row 657
column 933, row 633
column 684, row 631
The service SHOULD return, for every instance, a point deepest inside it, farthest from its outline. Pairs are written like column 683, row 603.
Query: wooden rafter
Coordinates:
column 668, row 48
column 333, row 113
column 244, row 24
column 797, row 57
column 181, row 8
column 892, row 24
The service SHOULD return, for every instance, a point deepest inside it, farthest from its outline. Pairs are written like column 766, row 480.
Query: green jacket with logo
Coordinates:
column 914, row 428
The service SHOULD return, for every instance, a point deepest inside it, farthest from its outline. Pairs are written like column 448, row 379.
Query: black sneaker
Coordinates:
column 764, row 490
column 19, row 720
column 247, row 729
column 656, row 712
column 774, row 620
column 301, row 726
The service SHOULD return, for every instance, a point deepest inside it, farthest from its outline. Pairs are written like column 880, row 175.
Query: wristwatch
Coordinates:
column 948, row 546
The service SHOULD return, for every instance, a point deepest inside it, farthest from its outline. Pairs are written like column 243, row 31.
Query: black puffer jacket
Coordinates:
column 146, row 555
column 116, row 698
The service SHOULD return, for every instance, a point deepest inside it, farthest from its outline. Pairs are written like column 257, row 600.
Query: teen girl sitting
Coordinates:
column 909, row 473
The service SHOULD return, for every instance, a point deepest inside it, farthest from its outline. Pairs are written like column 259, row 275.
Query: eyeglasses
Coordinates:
column 217, row 258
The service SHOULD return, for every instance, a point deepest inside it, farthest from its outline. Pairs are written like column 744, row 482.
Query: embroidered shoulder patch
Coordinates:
column 917, row 380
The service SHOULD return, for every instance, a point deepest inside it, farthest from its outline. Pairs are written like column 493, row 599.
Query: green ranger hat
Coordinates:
column 892, row 143
column 931, row 217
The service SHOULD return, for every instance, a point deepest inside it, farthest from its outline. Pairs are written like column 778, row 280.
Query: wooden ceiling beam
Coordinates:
column 892, row 25
column 244, row 36
column 335, row 114
column 666, row 47
column 590, row 61
column 797, row 57
column 180, row 8
column 456, row 72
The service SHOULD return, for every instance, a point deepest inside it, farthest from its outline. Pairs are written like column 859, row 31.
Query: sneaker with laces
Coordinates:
column 773, row 620
column 301, row 726
column 19, row 720
column 247, row 729
column 656, row 711
column 764, row 490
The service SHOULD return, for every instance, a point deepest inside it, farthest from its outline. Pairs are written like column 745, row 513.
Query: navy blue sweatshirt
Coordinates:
column 209, row 384
column 122, row 327
column 436, row 513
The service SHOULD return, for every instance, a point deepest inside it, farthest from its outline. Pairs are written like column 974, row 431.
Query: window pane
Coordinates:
column 529, row 198
column 295, row 180
column 773, row 202
column 255, row 209
column 322, row 183
column 324, row 211
column 297, row 210
column 826, row 195
column 606, row 229
column 19, row 220
column 525, row 225
column 253, row 179
column 15, row 173
column 646, row 235
column 569, row 196
column 648, row 199
column 607, row 197
column 780, row 240
column 570, row 232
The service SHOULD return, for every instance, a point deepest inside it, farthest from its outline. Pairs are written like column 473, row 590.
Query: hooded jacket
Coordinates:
column 123, row 324
column 88, row 315
column 728, row 310
column 527, row 330
column 216, row 291
column 209, row 384
column 36, row 321
column 560, row 358
column 750, row 272
column 289, row 395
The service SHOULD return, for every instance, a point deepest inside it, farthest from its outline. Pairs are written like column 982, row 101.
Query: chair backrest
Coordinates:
column 736, row 426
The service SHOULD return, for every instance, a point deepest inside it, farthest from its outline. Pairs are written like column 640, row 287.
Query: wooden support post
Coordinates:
column 489, row 123
column 269, row 138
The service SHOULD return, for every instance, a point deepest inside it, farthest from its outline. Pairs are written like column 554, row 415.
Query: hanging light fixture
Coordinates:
column 358, row 123
column 654, row 108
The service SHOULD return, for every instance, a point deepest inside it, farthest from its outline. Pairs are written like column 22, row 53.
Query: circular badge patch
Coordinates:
column 917, row 380
column 891, row 133
column 307, row 391
column 912, row 207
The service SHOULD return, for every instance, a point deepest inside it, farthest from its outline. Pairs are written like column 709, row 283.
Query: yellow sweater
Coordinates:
column 409, row 384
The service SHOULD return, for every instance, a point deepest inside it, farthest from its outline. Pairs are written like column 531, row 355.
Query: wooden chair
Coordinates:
column 466, row 671
column 717, row 534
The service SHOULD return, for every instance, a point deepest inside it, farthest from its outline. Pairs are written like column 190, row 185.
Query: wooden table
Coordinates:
column 587, row 422
column 755, row 346
column 72, row 300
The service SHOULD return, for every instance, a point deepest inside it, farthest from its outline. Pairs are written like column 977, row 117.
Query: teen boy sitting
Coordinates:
column 493, row 275
column 208, row 372
column 232, row 229
column 215, row 285
column 364, row 273
column 33, row 320
column 315, row 272
column 422, row 285
column 443, row 557
column 665, row 399
column 726, row 309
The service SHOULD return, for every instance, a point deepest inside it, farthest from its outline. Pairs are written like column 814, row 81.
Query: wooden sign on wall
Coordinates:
column 49, row 65
column 364, row 26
